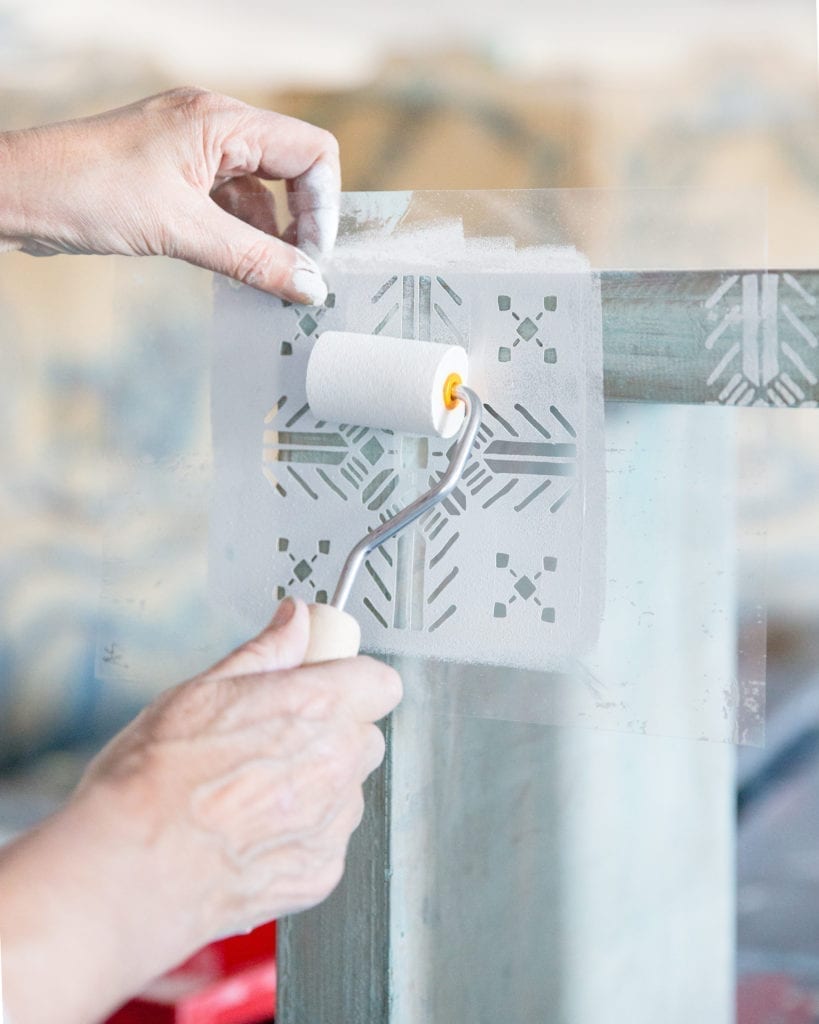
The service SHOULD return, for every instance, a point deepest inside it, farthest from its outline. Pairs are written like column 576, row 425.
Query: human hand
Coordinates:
column 227, row 802
column 249, row 776
column 177, row 175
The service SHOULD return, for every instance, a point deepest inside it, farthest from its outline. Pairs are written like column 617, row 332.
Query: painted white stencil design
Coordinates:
column 761, row 344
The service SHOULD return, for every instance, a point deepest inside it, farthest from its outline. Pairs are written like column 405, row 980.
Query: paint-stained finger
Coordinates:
column 283, row 148
column 314, row 199
column 275, row 146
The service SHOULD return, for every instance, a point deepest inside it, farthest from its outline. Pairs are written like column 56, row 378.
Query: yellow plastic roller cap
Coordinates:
column 453, row 381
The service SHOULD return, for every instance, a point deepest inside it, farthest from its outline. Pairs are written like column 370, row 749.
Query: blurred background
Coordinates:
column 104, row 362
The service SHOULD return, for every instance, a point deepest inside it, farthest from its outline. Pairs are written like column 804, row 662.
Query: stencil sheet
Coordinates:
column 507, row 571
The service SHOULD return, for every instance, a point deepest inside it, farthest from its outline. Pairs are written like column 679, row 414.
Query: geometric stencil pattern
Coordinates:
column 527, row 329
column 760, row 342
column 524, row 588
column 520, row 461
column 294, row 494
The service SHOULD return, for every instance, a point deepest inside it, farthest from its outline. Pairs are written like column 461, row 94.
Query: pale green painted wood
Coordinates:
column 657, row 326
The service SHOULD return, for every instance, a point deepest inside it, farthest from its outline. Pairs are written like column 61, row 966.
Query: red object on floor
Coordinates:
column 773, row 999
column 229, row 982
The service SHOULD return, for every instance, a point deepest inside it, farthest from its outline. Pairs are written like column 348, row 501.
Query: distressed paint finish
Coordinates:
column 338, row 954
column 740, row 337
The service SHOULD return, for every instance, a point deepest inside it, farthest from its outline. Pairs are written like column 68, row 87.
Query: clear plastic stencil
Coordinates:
column 493, row 603
column 508, row 569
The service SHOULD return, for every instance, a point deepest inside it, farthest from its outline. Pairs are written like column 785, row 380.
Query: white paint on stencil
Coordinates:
column 508, row 571
column 754, row 340
column 381, row 243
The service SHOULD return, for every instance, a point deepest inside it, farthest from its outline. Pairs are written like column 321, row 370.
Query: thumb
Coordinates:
column 210, row 237
column 281, row 645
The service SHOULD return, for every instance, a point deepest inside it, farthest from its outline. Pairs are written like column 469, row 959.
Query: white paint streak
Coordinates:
column 723, row 288
column 799, row 363
column 731, row 317
column 791, row 383
column 770, row 338
column 750, row 328
column 726, row 359
column 783, row 391
column 791, row 282
column 797, row 324
column 729, row 387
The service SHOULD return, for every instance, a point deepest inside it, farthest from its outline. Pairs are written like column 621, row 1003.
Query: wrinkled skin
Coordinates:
column 177, row 175
column 227, row 802
column 231, row 799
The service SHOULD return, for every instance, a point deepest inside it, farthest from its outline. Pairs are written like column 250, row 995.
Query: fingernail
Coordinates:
column 309, row 284
column 284, row 613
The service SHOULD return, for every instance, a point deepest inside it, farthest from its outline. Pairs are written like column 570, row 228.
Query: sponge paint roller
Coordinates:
column 412, row 387
column 374, row 381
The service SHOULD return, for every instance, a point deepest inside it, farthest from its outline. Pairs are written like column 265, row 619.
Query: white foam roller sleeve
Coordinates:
column 393, row 383
column 333, row 634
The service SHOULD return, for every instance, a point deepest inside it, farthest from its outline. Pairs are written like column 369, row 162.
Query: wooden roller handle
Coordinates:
column 333, row 634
